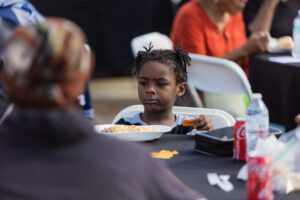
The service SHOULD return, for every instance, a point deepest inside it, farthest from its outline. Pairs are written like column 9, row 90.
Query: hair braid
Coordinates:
column 177, row 60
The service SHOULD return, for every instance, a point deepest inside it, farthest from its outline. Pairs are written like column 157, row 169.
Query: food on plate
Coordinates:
column 285, row 42
column 164, row 154
column 128, row 128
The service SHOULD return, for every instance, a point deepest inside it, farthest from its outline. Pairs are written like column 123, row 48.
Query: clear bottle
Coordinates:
column 257, row 122
column 296, row 36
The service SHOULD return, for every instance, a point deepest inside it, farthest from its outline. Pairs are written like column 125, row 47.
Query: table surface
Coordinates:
column 279, row 84
column 192, row 167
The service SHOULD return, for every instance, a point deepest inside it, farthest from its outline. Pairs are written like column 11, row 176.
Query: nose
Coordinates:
column 150, row 89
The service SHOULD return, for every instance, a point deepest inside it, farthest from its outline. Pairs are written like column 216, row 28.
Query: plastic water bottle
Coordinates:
column 257, row 122
column 296, row 36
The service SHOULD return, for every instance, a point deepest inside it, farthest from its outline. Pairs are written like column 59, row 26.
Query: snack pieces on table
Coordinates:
column 164, row 154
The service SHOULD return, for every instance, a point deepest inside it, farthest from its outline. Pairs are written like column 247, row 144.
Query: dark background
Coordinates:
column 111, row 24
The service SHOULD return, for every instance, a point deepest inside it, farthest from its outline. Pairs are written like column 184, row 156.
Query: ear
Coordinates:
column 181, row 88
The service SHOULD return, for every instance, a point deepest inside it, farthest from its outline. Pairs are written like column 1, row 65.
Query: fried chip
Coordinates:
column 164, row 154
column 189, row 122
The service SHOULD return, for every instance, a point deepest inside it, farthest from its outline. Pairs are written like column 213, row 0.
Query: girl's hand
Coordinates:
column 201, row 123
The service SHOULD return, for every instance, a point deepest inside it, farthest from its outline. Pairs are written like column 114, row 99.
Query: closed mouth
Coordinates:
column 150, row 101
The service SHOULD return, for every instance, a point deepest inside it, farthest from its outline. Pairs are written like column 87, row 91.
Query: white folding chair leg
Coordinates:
column 195, row 96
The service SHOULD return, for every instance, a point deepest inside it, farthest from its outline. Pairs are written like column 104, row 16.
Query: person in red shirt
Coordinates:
column 216, row 28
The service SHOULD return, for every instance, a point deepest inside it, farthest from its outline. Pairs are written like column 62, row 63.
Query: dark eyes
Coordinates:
column 142, row 83
column 162, row 84
column 157, row 84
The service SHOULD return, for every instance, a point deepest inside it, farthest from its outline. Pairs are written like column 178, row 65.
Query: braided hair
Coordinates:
column 177, row 59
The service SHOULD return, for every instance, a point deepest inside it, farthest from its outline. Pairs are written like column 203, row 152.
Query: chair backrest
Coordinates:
column 219, row 118
column 158, row 40
column 219, row 76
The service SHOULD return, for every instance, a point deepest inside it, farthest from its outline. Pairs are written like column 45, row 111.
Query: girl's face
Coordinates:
column 157, row 88
column 232, row 6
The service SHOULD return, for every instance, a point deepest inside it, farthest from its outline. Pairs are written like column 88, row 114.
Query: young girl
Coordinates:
column 162, row 78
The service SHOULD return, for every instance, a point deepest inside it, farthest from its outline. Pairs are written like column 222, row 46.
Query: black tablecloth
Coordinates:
column 192, row 167
column 280, row 86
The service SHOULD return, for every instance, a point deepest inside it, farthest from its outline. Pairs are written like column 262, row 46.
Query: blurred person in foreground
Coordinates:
column 297, row 119
column 48, row 150
column 14, row 13
column 216, row 28
column 274, row 16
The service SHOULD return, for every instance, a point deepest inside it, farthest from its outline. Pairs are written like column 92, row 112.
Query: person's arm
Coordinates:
column 258, row 42
column 263, row 19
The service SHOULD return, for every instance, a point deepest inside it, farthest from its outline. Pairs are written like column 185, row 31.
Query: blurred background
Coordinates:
column 110, row 25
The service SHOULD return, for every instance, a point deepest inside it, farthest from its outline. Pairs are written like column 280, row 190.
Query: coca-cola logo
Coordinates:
column 259, row 170
column 241, row 133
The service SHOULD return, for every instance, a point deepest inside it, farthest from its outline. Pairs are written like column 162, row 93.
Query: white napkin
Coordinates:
column 222, row 181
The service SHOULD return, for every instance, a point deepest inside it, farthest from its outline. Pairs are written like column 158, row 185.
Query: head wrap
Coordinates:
column 46, row 65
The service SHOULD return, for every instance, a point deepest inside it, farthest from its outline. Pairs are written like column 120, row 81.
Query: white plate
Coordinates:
column 136, row 136
column 279, row 50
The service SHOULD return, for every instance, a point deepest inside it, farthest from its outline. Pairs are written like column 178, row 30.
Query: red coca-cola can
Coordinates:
column 259, row 182
column 239, row 142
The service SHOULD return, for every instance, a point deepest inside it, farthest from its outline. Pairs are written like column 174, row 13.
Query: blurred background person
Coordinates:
column 21, row 12
column 49, row 151
column 274, row 16
column 13, row 13
column 216, row 28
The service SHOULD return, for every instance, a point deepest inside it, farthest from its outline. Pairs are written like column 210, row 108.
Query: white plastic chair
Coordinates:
column 219, row 118
column 224, row 83
column 158, row 40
